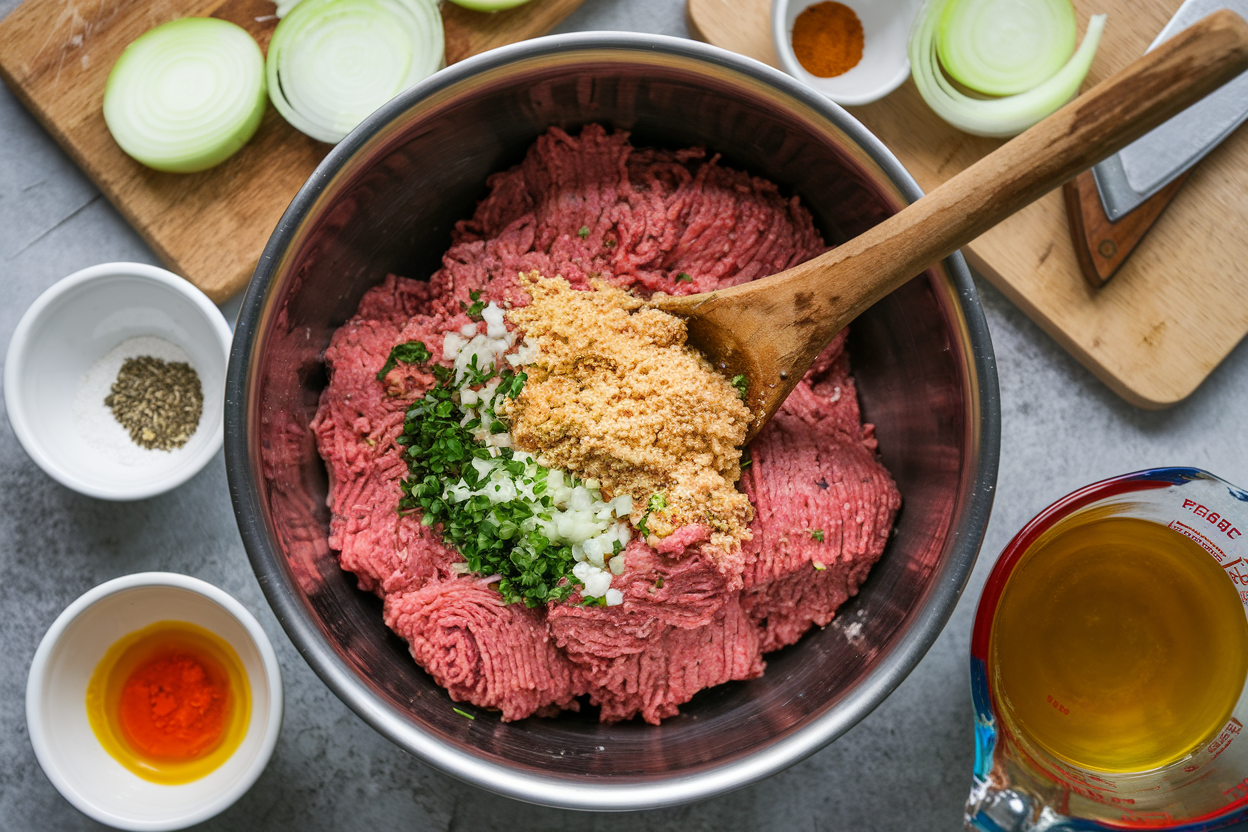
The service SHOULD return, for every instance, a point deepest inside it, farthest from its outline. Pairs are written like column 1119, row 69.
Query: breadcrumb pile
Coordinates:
column 617, row 395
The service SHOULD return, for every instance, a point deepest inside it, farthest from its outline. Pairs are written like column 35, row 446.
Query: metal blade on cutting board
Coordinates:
column 1147, row 165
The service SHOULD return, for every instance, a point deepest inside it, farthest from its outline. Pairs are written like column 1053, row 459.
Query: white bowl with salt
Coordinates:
column 66, row 356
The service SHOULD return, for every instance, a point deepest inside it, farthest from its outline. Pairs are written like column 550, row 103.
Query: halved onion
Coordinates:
column 332, row 63
column 976, row 39
column 186, row 95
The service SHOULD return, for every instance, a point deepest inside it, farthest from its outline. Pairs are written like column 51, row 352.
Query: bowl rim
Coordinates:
column 47, row 648
column 15, row 362
column 983, row 446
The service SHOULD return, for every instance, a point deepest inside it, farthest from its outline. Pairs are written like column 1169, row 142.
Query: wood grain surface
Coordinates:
column 210, row 227
column 1175, row 309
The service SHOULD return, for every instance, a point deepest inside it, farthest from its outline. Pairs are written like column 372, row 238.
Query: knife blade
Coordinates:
column 1144, row 167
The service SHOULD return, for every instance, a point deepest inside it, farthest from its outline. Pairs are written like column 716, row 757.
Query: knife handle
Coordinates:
column 1101, row 245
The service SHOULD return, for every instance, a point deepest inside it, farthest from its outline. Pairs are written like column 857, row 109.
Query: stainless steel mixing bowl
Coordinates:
column 385, row 199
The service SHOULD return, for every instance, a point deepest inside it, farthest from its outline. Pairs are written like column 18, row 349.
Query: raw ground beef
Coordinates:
column 582, row 207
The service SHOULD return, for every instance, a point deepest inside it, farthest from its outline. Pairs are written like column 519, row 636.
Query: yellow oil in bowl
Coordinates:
column 170, row 702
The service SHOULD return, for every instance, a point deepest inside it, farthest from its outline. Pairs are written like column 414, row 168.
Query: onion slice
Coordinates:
column 332, row 63
column 998, row 117
column 1004, row 47
column 186, row 95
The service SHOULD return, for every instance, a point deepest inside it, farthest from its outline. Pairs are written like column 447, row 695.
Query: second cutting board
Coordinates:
column 1177, row 307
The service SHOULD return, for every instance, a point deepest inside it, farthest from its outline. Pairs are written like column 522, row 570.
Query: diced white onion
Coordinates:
column 452, row 343
column 493, row 317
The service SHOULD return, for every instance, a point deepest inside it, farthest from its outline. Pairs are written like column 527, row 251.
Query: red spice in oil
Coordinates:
column 175, row 706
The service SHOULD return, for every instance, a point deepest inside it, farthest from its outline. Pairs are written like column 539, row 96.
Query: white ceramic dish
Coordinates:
column 76, row 322
column 56, row 713
column 884, row 65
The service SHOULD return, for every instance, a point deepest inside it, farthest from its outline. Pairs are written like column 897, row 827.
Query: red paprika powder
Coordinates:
column 827, row 39
column 174, row 706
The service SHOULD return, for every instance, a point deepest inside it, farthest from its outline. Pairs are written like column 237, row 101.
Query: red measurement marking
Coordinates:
column 1202, row 541
column 1093, row 793
column 1229, row 733
column 1238, row 573
column 1154, row 816
column 1219, row 522
column 1057, row 706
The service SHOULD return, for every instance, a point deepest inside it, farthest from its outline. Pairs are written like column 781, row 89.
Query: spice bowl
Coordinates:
column 66, row 353
column 885, row 64
column 67, row 747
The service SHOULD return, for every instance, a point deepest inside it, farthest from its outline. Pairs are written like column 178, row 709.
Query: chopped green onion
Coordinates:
column 186, row 95
column 684, row 277
column 332, row 63
column 979, row 32
column 817, row 534
column 464, row 714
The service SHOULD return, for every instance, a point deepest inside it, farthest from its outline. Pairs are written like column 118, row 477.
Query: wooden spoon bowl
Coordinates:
column 771, row 330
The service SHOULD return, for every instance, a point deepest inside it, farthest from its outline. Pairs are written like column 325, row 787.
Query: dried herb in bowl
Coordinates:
column 159, row 402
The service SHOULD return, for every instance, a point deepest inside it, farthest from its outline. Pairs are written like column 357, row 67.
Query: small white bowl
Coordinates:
column 884, row 65
column 72, row 325
column 56, row 694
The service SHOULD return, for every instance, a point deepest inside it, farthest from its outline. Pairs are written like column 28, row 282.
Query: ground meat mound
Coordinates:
column 593, row 207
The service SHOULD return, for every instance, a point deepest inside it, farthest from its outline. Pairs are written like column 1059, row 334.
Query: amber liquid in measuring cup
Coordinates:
column 1119, row 645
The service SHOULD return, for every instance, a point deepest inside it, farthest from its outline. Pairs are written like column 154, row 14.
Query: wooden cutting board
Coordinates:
column 1179, row 304
column 209, row 227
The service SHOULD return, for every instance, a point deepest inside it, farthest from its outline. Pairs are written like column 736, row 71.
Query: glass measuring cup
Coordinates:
column 1023, row 782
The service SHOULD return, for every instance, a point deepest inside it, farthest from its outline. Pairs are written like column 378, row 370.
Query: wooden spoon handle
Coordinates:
column 837, row 286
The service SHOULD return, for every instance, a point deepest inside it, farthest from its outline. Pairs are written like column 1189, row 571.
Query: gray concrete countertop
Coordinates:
column 905, row 767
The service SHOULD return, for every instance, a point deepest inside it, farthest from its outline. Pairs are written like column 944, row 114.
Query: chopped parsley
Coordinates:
column 742, row 384
column 446, row 465
column 413, row 352
column 583, row 232
column 817, row 534
column 657, row 502
column 684, row 277
column 478, row 306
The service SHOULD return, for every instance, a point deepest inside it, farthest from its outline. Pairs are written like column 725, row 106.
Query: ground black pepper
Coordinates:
column 158, row 402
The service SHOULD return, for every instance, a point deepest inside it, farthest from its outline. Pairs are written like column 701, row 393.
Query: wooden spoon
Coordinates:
column 770, row 330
